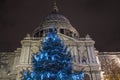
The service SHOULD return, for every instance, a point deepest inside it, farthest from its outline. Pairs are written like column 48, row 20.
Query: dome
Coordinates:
column 60, row 22
column 56, row 17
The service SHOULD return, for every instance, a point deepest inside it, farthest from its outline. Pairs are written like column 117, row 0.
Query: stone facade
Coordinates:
column 82, row 50
column 85, row 56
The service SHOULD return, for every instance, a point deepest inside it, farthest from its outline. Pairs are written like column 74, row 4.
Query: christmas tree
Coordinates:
column 52, row 62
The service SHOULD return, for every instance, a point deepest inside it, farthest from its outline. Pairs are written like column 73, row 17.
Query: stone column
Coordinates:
column 76, row 54
column 97, row 75
column 93, row 54
column 71, row 50
column 25, row 50
column 24, row 56
column 16, row 60
column 14, row 64
column 89, row 54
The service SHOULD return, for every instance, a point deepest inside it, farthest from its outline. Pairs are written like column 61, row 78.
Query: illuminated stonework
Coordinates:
column 83, row 51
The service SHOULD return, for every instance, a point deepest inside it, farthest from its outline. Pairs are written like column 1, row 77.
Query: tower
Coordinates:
column 82, row 49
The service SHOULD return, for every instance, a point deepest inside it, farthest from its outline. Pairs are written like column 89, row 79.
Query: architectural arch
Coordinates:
column 86, row 77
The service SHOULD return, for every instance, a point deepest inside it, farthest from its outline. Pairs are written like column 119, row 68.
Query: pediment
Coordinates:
column 66, row 38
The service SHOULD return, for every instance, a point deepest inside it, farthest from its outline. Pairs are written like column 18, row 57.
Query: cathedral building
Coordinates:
column 85, row 56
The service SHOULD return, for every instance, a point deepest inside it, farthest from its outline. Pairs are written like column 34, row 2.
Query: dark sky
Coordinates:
column 98, row 18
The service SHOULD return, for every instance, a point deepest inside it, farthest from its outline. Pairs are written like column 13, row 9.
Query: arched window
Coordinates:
column 86, row 77
column 51, row 29
column 62, row 31
column 41, row 33
column 36, row 34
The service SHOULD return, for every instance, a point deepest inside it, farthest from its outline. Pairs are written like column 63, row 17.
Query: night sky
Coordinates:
column 98, row 18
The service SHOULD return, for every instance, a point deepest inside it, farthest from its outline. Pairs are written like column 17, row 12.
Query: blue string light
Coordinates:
column 52, row 62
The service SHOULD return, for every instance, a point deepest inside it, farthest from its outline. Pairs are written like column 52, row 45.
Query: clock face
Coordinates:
column 35, row 49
